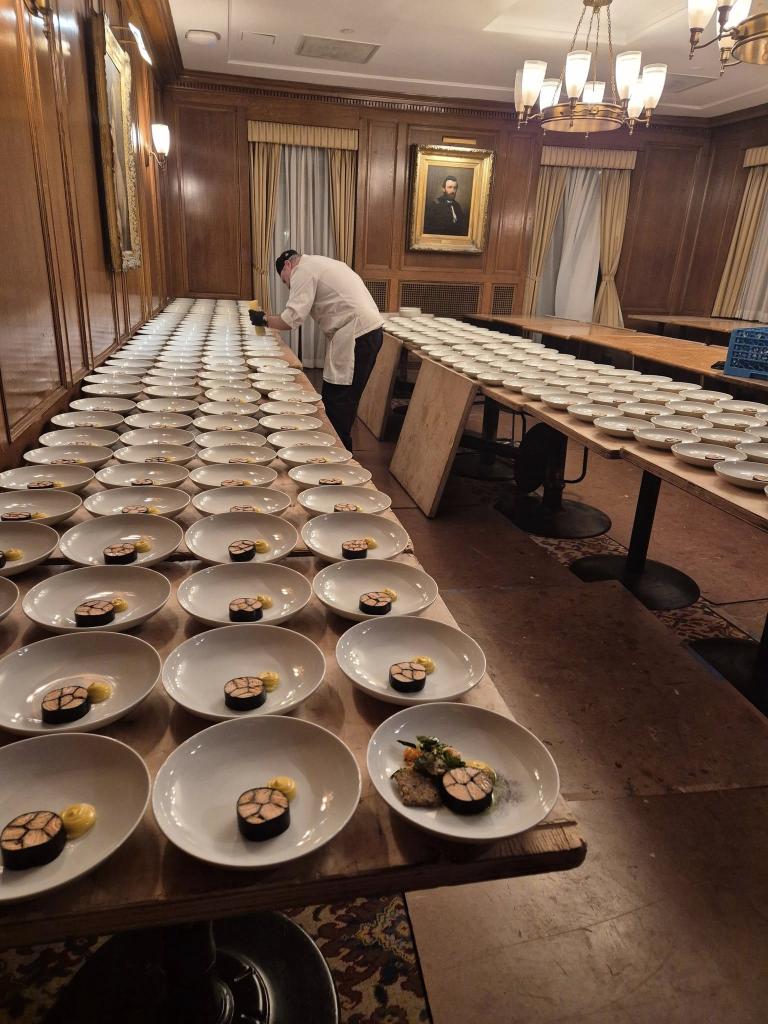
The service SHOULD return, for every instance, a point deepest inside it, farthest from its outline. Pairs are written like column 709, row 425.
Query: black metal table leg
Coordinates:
column 744, row 663
column 541, row 462
column 660, row 587
column 483, row 464
column 260, row 969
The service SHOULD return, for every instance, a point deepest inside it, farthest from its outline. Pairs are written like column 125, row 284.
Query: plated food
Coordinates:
column 241, row 536
column 244, row 592
column 121, row 539
column 353, row 536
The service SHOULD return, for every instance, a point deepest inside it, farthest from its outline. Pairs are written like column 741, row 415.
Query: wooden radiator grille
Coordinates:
column 442, row 298
column 378, row 290
column 503, row 299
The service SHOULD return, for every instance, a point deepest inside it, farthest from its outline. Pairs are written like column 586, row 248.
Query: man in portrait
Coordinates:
column 444, row 214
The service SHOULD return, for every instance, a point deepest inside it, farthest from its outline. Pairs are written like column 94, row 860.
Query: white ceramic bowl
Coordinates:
column 365, row 653
column 113, row 390
column 35, row 541
column 691, row 424
column 302, row 438
column 76, row 436
column 758, row 409
column 233, row 397
column 231, row 424
column 658, row 437
column 164, row 501
column 47, row 506
column 197, row 788
column 84, row 543
column 724, row 436
column 79, row 420
column 700, row 453
column 163, row 391
column 167, row 436
column 751, row 475
column 205, row 595
column 51, row 604
column 325, row 534
column 310, row 476
column 723, row 417
column 163, row 454
column 754, row 450
column 207, row 477
column 228, row 409
column 620, row 426
column 131, row 667
column 91, row 456
column 289, row 408
column 219, row 438
column 124, row 474
column 67, row 478
column 323, row 499
column 589, row 411
column 340, row 585
column 195, row 673
column 209, row 538
column 163, row 405
column 9, row 596
column 239, row 455
column 51, row 772
column 314, row 454
column 216, row 500
column 292, row 423
column 529, row 782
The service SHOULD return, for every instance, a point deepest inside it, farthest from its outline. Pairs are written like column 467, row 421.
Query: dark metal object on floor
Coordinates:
column 260, row 969
column 540, row 462
column 743, row 662
column 658, row 586
column 483, row 464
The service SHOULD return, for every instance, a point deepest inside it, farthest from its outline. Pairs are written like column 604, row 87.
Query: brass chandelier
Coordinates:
column 634, row 92
column 740, row 35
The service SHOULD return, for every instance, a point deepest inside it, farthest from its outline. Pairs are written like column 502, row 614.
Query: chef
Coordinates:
column 337, row 300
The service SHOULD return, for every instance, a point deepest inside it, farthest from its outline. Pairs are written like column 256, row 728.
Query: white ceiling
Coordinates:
column 455, row 48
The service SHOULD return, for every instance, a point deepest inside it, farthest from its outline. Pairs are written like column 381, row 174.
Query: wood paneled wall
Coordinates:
column 63, row 308
column 678, row 163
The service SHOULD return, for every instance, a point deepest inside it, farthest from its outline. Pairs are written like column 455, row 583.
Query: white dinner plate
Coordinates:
column 51, row 603
column 35, row 541
column 325, row 534
column 231, row 424
column 121, row 405
column 216, row 500
column 209, row 538
column 45, row 506
column 65, row 478
column 129, row 665
column 196, row 790
column 84, row 543
column 205, row 595
column 323, row 499
column 162, row 501
column 340, row 585
column 228, row 409
column 182, row 405
column 196, row 671
column 51, row 772
column 528, row 785
column 108, row 390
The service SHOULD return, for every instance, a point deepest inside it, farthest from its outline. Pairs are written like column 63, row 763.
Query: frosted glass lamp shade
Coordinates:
column 593, row 92
column 550, row 93
column 636, row 103
column 533, row 79
column 739, row 12
column 161, row 139
column 654, row 77
column 576, row 72
column 700, row 13
column 627, row 72
column 519, row 105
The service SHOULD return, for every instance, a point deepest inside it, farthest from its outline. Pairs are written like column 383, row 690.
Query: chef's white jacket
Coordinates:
column 337, row 300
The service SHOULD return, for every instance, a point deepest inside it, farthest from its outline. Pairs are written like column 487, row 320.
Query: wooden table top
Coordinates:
column 722, row 325
column 149, row 882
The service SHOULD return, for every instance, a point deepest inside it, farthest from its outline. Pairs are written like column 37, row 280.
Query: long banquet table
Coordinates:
column 148, row 882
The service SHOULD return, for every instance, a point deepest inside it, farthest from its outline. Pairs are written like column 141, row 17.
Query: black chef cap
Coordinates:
column 283, row 258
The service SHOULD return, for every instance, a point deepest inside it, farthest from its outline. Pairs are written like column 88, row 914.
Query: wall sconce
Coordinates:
column 161, row 143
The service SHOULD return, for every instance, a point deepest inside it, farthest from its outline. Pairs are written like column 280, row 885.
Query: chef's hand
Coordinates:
column 258, row 317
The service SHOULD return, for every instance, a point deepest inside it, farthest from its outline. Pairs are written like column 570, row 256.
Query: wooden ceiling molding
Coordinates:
column 157, row 21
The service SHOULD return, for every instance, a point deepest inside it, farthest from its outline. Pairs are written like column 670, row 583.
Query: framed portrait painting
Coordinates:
column 450, row 198
column 114, row 114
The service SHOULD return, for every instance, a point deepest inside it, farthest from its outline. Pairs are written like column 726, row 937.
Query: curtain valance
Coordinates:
column 302, row 135
column 568, row 156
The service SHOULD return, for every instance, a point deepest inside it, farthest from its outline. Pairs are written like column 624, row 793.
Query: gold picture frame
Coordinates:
column 450, row 198
column 114, row 115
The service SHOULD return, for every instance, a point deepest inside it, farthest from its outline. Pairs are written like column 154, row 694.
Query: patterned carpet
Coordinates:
column 368, row 945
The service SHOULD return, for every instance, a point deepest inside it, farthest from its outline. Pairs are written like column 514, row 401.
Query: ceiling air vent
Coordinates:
column 348, row 51
column 675, row 84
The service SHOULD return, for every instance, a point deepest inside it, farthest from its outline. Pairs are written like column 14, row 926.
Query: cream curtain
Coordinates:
column 753, row 299
column 549, row 198
column 302, row 135
column 342, row 164
column 265, row 167
column 742, row 243
column 614, row 201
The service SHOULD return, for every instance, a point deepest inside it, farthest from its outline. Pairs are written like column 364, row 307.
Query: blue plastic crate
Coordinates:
column 748, row 353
